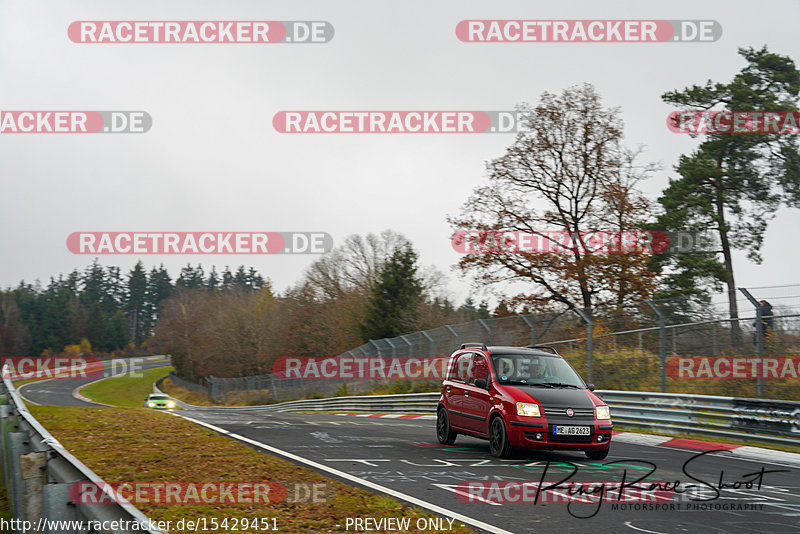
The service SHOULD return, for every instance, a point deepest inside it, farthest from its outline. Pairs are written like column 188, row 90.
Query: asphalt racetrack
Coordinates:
column 720, row 493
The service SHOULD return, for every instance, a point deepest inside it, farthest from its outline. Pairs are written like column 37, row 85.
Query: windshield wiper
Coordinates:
column 514, row 382
column 561, row 385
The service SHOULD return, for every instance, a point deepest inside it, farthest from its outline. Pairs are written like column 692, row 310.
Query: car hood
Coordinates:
column 568, row 397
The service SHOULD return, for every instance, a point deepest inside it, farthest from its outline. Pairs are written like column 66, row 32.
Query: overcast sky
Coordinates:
column 213, row 162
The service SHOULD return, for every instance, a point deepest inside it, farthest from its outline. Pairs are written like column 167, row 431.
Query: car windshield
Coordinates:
column 533, row 369
column 158, row 397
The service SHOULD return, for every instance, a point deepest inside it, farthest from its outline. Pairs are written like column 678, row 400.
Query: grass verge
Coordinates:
column 128, row 391
column 187, row 396
column 5, row 508
column 139, row 445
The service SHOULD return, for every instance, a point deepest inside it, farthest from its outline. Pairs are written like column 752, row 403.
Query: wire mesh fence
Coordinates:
column 670, row 345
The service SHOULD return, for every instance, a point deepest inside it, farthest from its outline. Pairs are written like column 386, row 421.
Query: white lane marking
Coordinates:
column 360, row 481
column 76, row 393
column 457, row 491
column 628, row 524
column 640, row 439
column 26, row 399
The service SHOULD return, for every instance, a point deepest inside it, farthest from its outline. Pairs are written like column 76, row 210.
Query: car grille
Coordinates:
column 562, row 412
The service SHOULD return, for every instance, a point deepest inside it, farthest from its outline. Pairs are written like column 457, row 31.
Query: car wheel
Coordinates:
column 444, row 433
column 498, row 439
column 597, row 454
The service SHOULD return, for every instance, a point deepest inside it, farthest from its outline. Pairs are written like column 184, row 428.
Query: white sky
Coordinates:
column 212, row 161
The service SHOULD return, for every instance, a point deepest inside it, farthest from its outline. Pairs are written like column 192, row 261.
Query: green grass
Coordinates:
column 5, row 508
column 140, row 445
column 127, row 391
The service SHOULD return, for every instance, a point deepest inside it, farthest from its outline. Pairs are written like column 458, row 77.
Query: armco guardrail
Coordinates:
column 758, row 420
column 767, row 421
column 38, row 472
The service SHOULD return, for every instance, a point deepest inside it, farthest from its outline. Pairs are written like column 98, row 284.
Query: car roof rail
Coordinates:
column 543, row 347
column 481, row 346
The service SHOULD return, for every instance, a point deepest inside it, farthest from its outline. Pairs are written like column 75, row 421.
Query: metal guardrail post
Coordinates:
column 662, row 342
column 586, row 315
column 17, row 446
column 33, row 469
column 57, row 506
column 759, row 340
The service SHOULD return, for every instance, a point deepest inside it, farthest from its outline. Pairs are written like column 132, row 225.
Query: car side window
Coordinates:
column 480, row 368
column 462, row 369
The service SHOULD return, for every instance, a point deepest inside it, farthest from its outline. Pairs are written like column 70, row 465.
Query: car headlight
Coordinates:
column 151, row 404
column 528, row 409
column 602, row 412
column 170, row 404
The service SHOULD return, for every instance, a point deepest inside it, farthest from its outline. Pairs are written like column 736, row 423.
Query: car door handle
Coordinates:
column 448, row 388
column 466, row 393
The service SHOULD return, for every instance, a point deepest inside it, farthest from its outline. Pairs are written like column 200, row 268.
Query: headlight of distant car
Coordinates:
column 151, row 404
column 602, row 412
column 170, row 404
column 526, row 408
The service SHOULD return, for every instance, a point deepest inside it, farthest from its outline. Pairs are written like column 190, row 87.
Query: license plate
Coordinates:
column 572, row 430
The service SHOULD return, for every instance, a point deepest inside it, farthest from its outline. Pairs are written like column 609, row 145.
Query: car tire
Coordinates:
column 598, row 454
column 444, row 433
column 498, row 438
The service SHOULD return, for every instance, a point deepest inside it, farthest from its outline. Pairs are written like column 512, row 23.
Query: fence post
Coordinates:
column 586, row 315
column 407, row 343
column 212, row 388
column 532, row 326
column 759, row 340
column 430, row 339
column 662, row 343
column 377, row 348
column 488, row 329
column 455, row 335
column 714, row 349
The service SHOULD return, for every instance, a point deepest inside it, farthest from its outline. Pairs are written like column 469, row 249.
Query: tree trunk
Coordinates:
column 736, row 331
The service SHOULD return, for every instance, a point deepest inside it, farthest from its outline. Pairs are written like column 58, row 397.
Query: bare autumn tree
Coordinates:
column 567, row 171
column 353, row 266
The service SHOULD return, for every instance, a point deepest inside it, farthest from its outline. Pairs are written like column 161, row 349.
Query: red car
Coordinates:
column 521, row 397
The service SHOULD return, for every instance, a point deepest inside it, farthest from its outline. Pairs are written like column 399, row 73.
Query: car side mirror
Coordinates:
column 481, row 383
column 590, row 386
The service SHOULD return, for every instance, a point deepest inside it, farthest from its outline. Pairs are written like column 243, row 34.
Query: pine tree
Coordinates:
column 135, row 305
column 732, row 184
column 393, row 306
